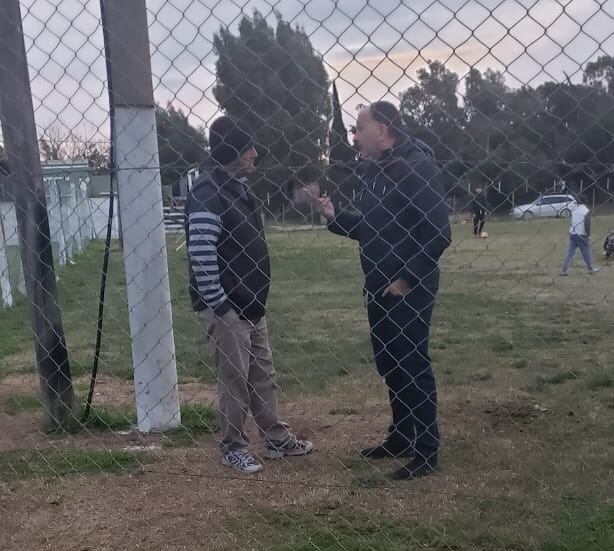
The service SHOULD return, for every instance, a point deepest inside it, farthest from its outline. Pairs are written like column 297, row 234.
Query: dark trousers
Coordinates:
column 479, row 219
column 400, row 329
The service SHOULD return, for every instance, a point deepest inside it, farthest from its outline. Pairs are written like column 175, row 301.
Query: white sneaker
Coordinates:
column 594, row 270
column 290, row 447
column 242, row 461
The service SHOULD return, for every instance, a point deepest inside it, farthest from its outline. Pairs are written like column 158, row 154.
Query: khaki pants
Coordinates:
column 245, row 376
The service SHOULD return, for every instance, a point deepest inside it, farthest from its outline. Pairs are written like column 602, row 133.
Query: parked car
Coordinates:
column 546, row 206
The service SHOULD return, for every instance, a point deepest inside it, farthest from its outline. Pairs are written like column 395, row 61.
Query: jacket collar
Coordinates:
column 212, row 171
column 401, row 150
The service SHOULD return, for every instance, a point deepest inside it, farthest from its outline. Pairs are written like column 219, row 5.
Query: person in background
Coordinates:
column 479, row 207
column 402, row 228
column 229, row 272
column 579, row 237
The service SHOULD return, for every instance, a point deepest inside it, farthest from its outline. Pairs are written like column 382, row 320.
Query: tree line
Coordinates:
column 515, row 141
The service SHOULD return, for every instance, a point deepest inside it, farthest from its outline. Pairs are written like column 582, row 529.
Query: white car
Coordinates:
column 546, row 206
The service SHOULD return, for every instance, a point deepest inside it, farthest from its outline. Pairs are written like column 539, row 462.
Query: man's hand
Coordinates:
column 398, row 288
column 326, row 208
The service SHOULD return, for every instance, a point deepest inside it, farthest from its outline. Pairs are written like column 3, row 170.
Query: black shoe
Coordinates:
column 415, row 469
column 387, row 451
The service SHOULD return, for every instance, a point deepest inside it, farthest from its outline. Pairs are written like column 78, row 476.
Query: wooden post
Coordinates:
column 26, row 184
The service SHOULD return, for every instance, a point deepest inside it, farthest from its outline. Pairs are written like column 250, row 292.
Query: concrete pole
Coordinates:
column 85, row 220
column 140, row 199
column 56, row 217
column 6, row 296
column 74, row 223
column 8, row 213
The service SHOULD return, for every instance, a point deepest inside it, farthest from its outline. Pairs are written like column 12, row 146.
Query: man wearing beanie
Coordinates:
column 229, row 283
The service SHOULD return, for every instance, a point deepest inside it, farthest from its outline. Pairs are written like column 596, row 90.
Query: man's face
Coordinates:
column 370, row 135
column 246, row 162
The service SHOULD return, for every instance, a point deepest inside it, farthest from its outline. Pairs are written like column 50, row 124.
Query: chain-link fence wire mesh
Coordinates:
column 513, row 100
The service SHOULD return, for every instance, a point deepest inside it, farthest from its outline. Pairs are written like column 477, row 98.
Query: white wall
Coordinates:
column 72, row 225
column 99, row 209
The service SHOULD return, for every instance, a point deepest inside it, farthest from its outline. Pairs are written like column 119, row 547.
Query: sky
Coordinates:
column 372, row 48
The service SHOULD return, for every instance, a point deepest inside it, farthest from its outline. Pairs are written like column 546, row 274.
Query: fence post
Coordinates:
column 74, row 219
column 56, row 217
column 27, row 188
column 6, row 296
column 141, row 214
column 84, row 222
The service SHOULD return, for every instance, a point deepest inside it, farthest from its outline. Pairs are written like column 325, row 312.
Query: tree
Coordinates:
column 485, row 101
column 273, row 80
column 486, row 129
column 180, row 145
column 55, row 143
column 342, row 157
column 339, row 146
column 600, row 74
column 431, row 111
column 59, row 143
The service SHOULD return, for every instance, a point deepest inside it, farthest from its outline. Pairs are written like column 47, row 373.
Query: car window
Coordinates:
column 550, row 200
column 554, row 199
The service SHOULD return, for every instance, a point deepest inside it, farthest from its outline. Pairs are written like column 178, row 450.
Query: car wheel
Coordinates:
column 565, row 213
column 528, row 215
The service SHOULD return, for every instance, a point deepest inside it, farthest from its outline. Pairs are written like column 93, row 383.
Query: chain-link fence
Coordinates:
column 465, row 146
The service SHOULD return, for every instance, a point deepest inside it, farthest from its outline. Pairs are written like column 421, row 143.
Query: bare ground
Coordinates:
column 187, row 500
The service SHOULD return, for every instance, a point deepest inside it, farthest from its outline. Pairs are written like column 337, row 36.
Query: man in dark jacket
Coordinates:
column 229, row 283
column 402, row 229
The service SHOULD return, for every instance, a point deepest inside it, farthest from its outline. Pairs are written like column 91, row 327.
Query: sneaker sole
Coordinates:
column 279, row 454
column 252, row 470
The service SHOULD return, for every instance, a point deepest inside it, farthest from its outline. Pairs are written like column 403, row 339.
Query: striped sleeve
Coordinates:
column 204, row 230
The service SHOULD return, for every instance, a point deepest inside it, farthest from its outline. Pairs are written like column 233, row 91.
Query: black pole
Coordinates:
column 107, row 245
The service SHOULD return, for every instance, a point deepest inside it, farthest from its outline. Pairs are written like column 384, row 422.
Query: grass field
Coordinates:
column 523, row 360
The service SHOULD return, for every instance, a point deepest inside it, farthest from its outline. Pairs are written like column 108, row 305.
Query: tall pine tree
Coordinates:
column 341, row 173
column 272, row 79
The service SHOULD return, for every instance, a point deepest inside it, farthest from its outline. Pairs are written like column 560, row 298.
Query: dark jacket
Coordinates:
column 229, row 261
column 479, row 205
column 403, row 225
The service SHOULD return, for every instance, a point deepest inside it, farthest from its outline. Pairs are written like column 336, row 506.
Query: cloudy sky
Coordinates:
column 371, row 47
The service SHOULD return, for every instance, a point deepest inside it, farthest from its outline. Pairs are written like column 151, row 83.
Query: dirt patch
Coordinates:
column 513, row 414
column 19, row 431
column 18, row 385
